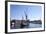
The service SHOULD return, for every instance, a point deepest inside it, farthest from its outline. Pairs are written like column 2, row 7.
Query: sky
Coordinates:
column 33, row 12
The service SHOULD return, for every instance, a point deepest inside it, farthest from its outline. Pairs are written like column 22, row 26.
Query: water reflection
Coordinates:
column 31, row 25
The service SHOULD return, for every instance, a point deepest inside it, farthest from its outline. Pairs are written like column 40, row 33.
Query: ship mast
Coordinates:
column 26, row 14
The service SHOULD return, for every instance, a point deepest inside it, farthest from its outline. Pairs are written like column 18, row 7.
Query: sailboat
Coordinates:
column 25, row 23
